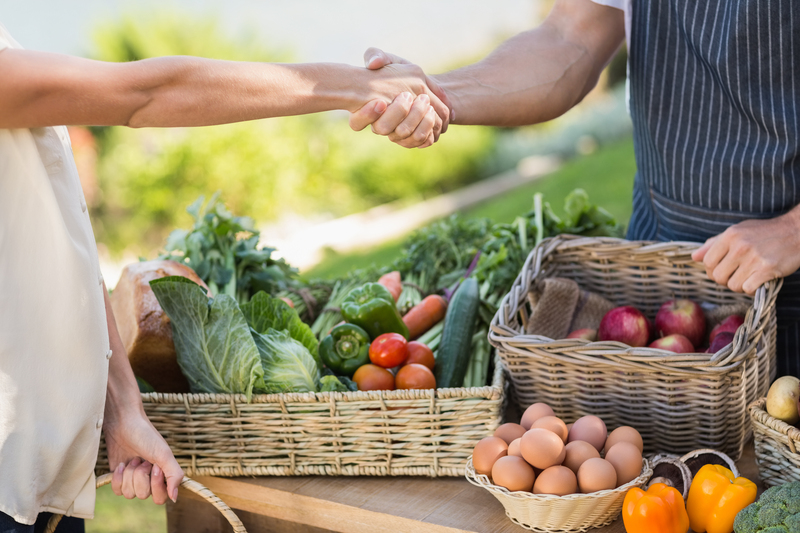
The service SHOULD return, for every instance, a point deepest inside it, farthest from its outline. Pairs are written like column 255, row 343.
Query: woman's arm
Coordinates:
column 141, row 460
column 44, row 89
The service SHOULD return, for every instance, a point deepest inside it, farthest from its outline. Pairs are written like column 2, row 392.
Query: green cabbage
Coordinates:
column 215, row 349
column 288, row 365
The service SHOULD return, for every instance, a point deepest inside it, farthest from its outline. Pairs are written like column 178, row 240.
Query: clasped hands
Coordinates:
column 415, row 116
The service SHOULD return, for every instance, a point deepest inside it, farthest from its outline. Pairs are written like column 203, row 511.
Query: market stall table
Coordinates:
column 321, row 504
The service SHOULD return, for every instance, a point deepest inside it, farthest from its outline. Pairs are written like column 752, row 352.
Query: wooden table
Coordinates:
column 358, row 505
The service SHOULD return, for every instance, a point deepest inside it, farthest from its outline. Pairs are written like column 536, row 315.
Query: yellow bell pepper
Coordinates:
column 659, row 510
column 715, row 498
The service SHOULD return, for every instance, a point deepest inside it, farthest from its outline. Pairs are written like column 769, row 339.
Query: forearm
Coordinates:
column 540, row 74
column 122, row 394
column 44, row 89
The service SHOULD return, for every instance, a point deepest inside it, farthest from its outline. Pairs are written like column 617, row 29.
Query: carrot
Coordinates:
column 425, row 315
column 392, row 282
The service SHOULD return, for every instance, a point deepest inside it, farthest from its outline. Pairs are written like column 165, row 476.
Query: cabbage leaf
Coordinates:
column 288, row 365
column 215, row 349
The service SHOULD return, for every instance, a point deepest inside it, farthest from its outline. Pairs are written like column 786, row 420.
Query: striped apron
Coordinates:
column 715, row 103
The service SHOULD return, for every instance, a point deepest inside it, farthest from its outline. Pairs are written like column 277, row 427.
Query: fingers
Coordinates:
column 367, row 115
column 423, row 133
column 442, row 104
column 724, row 270
column 717, row 251
column 395, row 114
column 158, row 486
column 174, row 475
column 127, row 478
column 418, row 113
column 699, row 254
column 756, row 280
column 141, row 480
column 116, row 479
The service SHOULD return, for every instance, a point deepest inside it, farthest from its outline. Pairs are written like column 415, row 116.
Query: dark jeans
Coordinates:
column 67, row 525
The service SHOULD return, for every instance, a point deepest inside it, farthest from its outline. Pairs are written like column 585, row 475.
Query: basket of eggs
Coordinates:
column 553, row 477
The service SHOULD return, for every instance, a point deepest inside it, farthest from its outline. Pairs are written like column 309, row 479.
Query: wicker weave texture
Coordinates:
column 678, row 402
column 376, row 433
column 777, row 446
column 551, row 514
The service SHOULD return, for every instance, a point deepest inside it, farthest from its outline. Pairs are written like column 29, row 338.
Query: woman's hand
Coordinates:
column 142, row 461
column 748, row 254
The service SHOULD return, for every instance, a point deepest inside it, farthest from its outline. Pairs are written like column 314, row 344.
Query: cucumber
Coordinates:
column 452, row 360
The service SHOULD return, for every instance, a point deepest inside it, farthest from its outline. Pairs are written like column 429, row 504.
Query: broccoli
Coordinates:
column 777, row 511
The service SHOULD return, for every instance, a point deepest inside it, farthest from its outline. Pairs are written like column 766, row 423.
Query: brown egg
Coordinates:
column 627, row 434
column 486, row 452
column 513, row 448
column 534, row 413
column 596, row 474
column 554, row 424
column 558, row 480
column 590, row 429
column 513, row 473
column 577, row 452
column 542, row 448
column 627, row 461
column 509, row 432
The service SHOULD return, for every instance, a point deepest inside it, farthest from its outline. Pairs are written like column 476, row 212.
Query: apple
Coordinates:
column 782, row 399
column 731, row 324
column 587, row 334
column 720, row 341
column 684, row 317
column 625, row 324
column 673, row 343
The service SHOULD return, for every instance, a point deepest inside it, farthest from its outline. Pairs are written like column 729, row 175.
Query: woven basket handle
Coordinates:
column 188, row 484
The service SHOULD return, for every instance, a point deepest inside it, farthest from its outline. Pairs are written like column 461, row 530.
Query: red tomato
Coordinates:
column 371, row 377
column 415, row 376
column 388, row 350
column 421, row 354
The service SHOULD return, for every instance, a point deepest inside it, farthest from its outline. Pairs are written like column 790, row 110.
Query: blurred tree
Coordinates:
column 264, row 169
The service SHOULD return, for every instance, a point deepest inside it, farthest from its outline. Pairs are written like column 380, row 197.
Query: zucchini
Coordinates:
column 452, row 360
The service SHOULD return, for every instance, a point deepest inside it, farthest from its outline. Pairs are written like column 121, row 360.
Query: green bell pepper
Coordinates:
column 372, row 307
column 345, row 349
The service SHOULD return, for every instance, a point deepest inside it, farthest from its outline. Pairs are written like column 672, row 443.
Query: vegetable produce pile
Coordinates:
column 442, row 292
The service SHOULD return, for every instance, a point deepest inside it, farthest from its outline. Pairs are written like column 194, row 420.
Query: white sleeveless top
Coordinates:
column 54, row 347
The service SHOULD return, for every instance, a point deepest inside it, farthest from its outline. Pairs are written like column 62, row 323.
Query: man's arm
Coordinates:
column 748, row 254
column 44, row 89
column 141, row 460
column 534, row 76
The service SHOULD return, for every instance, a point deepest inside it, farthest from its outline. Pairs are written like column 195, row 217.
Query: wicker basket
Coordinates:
column 575, row 512
column 678, row 402
column 777, row 446
column 376, row 433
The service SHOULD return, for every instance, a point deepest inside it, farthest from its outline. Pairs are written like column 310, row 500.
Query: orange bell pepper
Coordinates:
column 659, row 510
column 715, row 498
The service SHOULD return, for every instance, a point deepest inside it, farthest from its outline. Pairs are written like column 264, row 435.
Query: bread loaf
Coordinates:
column 144, row 327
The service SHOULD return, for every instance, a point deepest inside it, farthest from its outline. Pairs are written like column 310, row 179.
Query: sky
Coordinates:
column 432, row 33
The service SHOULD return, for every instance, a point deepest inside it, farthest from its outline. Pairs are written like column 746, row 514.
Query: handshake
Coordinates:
column 404, row 104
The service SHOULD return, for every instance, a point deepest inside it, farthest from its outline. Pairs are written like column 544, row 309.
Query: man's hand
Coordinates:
column 144, row 463
column 748, row 254
column 408, row 121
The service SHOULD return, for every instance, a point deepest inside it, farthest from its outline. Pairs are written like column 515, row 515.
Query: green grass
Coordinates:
column 606, row 175
column 115, row 514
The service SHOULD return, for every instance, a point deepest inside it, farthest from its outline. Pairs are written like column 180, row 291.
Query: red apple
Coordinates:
column 587, row 334
column 684, row 317
column 673, row 343
column 625, row 324
column 722, row 339
column 730, row 324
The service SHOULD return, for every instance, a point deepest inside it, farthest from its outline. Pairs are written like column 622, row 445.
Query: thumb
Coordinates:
column 173, row 474
column 369, row 113
column 375, row 58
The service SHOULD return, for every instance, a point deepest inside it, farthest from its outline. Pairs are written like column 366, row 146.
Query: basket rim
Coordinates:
column 760, row 416
column 492, row 392
column 744, row 344
column 480, row 480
